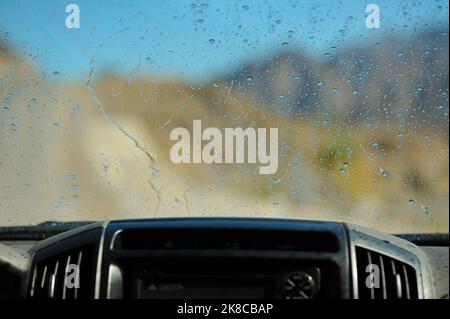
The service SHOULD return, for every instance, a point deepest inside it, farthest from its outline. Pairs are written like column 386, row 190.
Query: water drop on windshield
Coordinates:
column 383, row 173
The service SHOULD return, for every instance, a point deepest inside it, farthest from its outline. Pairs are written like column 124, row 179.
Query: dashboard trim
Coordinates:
column 349, row 236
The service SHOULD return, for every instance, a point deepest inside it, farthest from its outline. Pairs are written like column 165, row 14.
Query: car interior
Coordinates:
column 196, row 151
column 221, row 258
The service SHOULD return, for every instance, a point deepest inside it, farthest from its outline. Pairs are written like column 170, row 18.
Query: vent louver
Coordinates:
column 54, row 277
column 397, row 280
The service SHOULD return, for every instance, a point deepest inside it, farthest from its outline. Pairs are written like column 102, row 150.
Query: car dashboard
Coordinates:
column 223, row 258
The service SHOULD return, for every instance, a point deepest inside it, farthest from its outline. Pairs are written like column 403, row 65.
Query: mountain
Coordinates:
column 395, row 79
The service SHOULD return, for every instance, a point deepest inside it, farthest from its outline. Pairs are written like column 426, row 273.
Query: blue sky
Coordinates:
column 196, row 39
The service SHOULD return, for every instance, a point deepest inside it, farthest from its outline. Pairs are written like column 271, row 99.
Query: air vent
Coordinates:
column 397, row 280
column 49, row 276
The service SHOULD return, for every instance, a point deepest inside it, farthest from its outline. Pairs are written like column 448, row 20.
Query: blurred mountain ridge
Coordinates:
column 395, row 77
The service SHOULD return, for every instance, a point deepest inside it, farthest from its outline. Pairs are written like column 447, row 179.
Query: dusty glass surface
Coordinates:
column 91, row 92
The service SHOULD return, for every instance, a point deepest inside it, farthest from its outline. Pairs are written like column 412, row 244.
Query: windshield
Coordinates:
column 328, row 110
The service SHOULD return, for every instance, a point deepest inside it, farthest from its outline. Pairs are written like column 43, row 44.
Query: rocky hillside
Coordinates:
column 394, row 79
